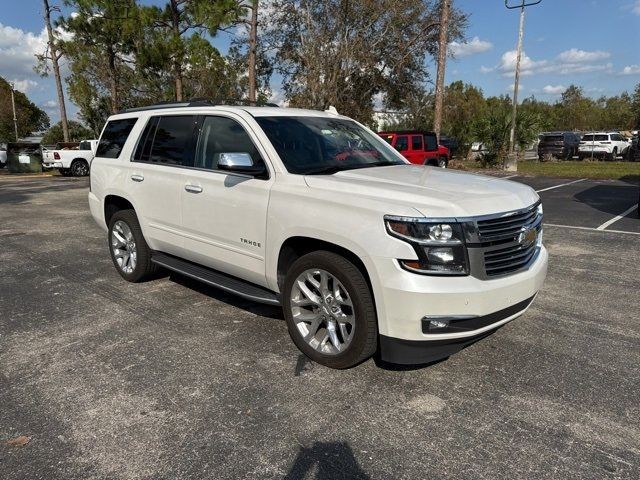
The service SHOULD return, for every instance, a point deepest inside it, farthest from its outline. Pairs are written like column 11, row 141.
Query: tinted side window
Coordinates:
column 114, row 137
column 222, row 135
column 430, row 143
column 402, row 143
column 416, row 142
column 587, row 138
column 143, row 150
column 172, row 140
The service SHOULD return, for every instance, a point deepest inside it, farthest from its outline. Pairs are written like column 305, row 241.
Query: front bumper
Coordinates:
column 475, row 308
column 412, row 352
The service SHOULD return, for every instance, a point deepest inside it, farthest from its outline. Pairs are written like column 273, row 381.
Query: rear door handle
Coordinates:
column 137, row 178
column 193, row 188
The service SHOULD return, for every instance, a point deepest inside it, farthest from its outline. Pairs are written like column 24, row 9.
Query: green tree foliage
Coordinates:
column 463, row 103
column 104, row 34
column 175, row 42
column 494, row 126
column 346, row 53
column 635, row 106
column 29, row 117
column 77, row 132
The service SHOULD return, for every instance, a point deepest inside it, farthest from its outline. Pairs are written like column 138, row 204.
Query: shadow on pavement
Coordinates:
column 260, row 309
column 611, row 199
column 331, row 460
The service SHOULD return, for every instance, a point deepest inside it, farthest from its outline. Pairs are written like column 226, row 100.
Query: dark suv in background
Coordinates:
column 563, row 145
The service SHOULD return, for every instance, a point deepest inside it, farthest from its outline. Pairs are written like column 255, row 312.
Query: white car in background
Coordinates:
column 71, row 162
column 3, row 156
column 607, row 145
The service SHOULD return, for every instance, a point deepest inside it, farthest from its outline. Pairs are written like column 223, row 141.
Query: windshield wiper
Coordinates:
column 330, row 170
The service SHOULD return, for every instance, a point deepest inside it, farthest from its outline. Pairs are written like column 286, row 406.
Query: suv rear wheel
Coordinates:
column 129, row 251
column 442, row 162
column 329, row 310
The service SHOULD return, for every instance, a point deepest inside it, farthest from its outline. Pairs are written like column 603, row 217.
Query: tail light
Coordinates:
column 56, row 156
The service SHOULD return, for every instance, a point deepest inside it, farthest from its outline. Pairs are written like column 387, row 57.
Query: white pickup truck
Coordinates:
column 316, row 213
column 71, row 162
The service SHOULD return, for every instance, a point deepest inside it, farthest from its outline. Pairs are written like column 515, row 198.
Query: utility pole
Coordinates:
column 55, row 56
column 253, row 43
column 445, row 7
column 13, row 105
column 511, row 162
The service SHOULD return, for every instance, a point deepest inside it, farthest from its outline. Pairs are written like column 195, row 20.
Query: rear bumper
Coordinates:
column 52, row 165
column 552, row 151
column 97, row 210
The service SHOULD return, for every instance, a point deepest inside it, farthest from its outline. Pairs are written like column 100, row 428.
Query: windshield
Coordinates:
column 317, row 145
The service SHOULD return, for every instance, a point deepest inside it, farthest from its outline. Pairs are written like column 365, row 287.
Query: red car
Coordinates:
column 418, row 147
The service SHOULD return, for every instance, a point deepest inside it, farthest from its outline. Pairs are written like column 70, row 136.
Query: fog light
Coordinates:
column 440, row 255
column 438, row 323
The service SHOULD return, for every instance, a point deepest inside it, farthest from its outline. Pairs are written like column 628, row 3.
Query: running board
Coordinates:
column 216, row 279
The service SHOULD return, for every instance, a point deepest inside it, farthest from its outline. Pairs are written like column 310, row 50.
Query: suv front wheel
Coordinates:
column 129, row 251
column 329, row 310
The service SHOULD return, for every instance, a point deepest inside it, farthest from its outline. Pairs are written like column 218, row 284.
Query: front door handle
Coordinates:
column 193, row 188
column 137, row 178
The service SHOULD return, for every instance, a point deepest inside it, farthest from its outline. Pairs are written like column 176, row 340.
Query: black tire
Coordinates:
column 443, row 162
column 65, row 172
column 365, row 336
column 612, row 156
column 79, row 168
column 144, row 267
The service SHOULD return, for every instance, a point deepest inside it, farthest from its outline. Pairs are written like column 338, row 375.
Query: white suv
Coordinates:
column 314, row 212
column 606, row 145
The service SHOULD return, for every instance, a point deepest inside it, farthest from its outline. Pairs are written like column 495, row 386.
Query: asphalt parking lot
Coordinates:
column 172, row 379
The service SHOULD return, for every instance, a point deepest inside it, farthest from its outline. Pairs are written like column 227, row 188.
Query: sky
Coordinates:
column 591, row 43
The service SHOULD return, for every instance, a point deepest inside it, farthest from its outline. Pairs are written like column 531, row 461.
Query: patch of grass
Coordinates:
column 627, row 171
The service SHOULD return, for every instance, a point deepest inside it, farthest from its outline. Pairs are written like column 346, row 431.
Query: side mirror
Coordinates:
column 240, row 163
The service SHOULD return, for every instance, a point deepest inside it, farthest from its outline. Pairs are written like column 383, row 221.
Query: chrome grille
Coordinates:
column 509, row 259
column 495, row 245
column 506, row 227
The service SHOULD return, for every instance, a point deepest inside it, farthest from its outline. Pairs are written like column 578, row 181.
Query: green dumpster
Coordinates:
column 24, row 157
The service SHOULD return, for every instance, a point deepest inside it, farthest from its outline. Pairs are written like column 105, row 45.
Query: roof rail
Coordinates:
column 199, row 102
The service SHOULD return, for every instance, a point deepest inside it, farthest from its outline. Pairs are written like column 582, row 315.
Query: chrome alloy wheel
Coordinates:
column 123, row 246
column 322, row 311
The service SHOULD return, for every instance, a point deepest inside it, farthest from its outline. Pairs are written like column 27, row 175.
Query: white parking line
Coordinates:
column 616, row 218
column 590, row 229
column 561, row 185
column 510, row 176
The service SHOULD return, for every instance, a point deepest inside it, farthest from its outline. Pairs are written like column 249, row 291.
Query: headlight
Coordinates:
column 438, row 245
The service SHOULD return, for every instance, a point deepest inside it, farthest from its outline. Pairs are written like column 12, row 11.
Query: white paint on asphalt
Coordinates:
column 509, row 176
column 616, row 218
column 561, row 185
column 589, row 229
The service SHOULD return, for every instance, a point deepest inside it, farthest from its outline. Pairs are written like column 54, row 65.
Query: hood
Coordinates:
column 433, row 192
